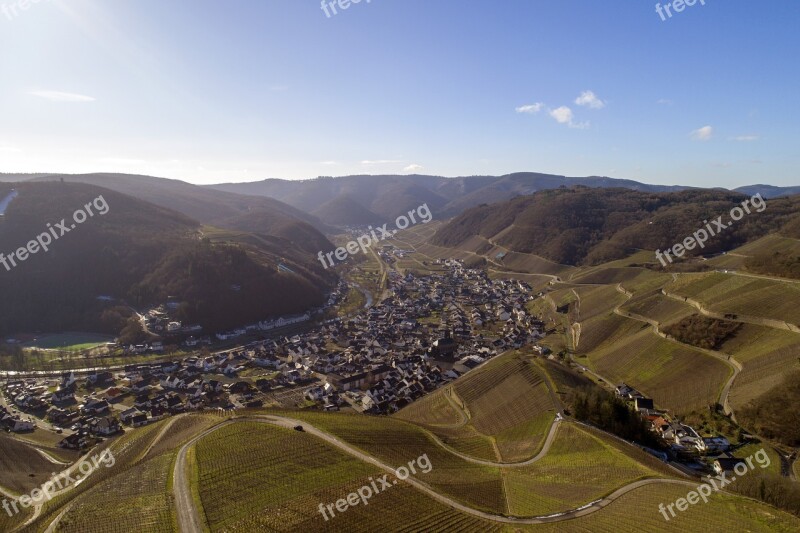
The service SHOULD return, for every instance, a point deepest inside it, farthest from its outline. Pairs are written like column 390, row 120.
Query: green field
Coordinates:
column 71, row 342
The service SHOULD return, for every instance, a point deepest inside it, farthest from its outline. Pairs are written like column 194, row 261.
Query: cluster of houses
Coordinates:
column 683, row 441
column 14, row 422
column 428, row 331
column 89, row 421
column 160, row 321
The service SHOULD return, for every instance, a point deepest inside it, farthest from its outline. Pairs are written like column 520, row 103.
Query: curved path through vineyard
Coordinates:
column 735, row 365
column 189, row 520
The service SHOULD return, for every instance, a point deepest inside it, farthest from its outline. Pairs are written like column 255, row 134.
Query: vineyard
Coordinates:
column 579, row 460
column 607, row 276
column 138, row 500
column 598, row 301
column 770, row 244
column 759, row 376
column 578, row 469
column 8, row 523
column 676, row 377
column 396, row 443
column 603, row 331
column 647, row 281
column 638, row 511
column 509, row 406
column 433, row 410
column 253, row 476
column 563, row 379
column 127, row 450
column 731, row 294
column 22, row 468
column 182, row 430
column 658, row 307
column 509, row 400
column 467, row 440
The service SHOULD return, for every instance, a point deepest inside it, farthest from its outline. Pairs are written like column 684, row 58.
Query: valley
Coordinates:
column 506, row 424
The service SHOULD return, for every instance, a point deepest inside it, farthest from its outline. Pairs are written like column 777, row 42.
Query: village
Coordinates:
column 428, row 331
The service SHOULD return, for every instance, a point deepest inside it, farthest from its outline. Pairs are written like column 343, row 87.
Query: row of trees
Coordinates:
column 602, row 409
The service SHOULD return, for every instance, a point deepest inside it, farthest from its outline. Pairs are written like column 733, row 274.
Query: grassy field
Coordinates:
column 71, row 342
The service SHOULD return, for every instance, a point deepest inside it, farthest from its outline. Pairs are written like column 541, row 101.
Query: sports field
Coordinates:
column 71, row 342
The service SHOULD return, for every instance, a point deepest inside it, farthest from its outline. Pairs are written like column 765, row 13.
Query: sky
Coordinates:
column 243, row 90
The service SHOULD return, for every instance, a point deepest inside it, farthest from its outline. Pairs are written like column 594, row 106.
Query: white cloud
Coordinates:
column 329, row 163
column 746, row 138
column 9, row 149
column 530, row 109
column 664, row 101
column 413, row 168
column 564, row 115
column 589, row 99
column 703, row 134
column 57, row 96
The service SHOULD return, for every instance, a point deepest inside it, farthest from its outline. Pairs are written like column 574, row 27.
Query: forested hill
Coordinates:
column 583, row 226
column 138, row 254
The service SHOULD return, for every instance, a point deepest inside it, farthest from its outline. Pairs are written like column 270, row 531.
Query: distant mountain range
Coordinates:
column 768, row 191
column 286, row 208
column 216, row 208
column 360, row 200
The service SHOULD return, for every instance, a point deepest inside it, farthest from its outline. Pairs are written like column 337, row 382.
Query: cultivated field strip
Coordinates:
column 750, row 297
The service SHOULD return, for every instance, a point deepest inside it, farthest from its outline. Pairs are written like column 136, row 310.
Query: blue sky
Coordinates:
column 242, row 90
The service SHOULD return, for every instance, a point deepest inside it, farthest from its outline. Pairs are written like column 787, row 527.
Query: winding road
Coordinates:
column 189, row 520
